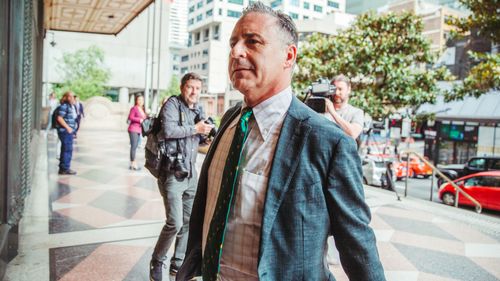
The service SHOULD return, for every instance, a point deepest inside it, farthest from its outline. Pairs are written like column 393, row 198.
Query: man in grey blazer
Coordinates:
column 298, row 175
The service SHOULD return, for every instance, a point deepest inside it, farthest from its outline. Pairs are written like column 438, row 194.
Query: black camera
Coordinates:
column 175, row 161
column 179, row 168
column 209, row 121
column 317, row 93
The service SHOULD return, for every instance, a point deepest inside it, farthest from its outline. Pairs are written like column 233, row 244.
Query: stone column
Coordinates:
column 123, row 96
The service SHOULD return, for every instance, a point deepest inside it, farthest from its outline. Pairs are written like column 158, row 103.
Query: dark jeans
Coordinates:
column 178, row 200
column 134, row 142
column 66, row 149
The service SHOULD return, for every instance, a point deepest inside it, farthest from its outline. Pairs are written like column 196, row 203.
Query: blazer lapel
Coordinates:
column 286, row 158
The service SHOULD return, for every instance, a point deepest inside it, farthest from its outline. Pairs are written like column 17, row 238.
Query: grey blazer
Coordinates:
column 315, row 189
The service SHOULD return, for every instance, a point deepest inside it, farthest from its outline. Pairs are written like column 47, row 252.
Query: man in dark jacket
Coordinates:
column 178, row 183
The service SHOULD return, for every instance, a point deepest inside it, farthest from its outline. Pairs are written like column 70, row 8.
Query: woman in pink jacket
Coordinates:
column 136, row 116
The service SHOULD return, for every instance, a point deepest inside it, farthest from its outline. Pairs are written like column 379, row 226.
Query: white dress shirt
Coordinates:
column 242, row 239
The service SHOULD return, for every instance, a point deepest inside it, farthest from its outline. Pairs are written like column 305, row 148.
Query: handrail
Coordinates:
column 457, row 188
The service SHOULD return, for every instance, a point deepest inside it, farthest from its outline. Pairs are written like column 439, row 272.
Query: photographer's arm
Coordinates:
column 171, row 127
column 351, row 129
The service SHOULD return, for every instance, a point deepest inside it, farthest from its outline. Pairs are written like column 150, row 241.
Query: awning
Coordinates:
column 92, row 16
column 486, row 108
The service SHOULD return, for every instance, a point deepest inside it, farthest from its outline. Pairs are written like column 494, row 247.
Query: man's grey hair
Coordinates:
column 285, row 22
column 341, row 78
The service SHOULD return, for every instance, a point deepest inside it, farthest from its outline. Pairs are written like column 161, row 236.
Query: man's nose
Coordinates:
column 238, row 50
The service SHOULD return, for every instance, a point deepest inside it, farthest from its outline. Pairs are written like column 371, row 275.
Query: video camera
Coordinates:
column 316, row 94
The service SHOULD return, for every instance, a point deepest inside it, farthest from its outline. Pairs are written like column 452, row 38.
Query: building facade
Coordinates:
column 462, row 129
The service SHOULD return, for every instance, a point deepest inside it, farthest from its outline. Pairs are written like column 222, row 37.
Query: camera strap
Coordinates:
column 180, row 124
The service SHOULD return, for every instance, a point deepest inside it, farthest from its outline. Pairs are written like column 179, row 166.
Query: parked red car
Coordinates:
column 483, row 186
column 417, row 168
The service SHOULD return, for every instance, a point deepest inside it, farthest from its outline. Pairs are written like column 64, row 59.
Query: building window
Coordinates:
column 306, row 5
column 191, row 21
column 210, row 12
column 333, row 4
column 199, row 17
column 276, row 3
column 204, row 66
column 207, row 35
column 220, row 12
column 318, row 8
column 294, row 15
column 200, row 4
column 216, row 32
column 197, row 38
column 185, row 58
column 209, row 1
column 239, row 2
column 233, row 14
column 175, row 67
column 295, row 3
column 191, row 9
column 205, row 52
column 306, row 17
column 184, row 70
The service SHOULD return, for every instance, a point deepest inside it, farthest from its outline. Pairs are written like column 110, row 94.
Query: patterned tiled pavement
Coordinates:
column 103, row 223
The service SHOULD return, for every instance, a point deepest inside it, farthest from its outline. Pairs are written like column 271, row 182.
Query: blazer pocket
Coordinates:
column 305, row 193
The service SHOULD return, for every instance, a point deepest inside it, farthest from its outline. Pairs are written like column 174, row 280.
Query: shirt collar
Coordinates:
column 270, row 111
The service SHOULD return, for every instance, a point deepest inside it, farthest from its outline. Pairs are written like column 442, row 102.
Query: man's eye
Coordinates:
column 252, row 41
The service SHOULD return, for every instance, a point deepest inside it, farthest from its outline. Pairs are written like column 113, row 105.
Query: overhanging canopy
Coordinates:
column 92, row 16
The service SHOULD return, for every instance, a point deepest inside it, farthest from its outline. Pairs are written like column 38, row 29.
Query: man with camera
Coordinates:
column 183, row 126
column 338, row 110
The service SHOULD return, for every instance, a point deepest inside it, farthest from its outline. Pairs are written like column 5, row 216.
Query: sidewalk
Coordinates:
column 103, row 223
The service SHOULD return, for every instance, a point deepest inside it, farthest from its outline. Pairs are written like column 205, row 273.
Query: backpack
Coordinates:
column 155, row 144
column 54, row 116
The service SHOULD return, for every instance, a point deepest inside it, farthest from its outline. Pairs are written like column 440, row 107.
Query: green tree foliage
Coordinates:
column 83, row 72
column 384, row 55
column 484, row 21
column 172, row 90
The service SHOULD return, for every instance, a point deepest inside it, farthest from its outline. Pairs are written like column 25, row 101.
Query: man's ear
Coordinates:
column 291, row 55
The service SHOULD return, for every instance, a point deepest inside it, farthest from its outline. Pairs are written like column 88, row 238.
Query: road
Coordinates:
column 420, row 188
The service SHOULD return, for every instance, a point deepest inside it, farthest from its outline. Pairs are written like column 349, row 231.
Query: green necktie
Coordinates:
column 228, row 188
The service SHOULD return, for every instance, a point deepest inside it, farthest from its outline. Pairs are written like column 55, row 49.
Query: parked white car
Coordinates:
column 374, row 170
